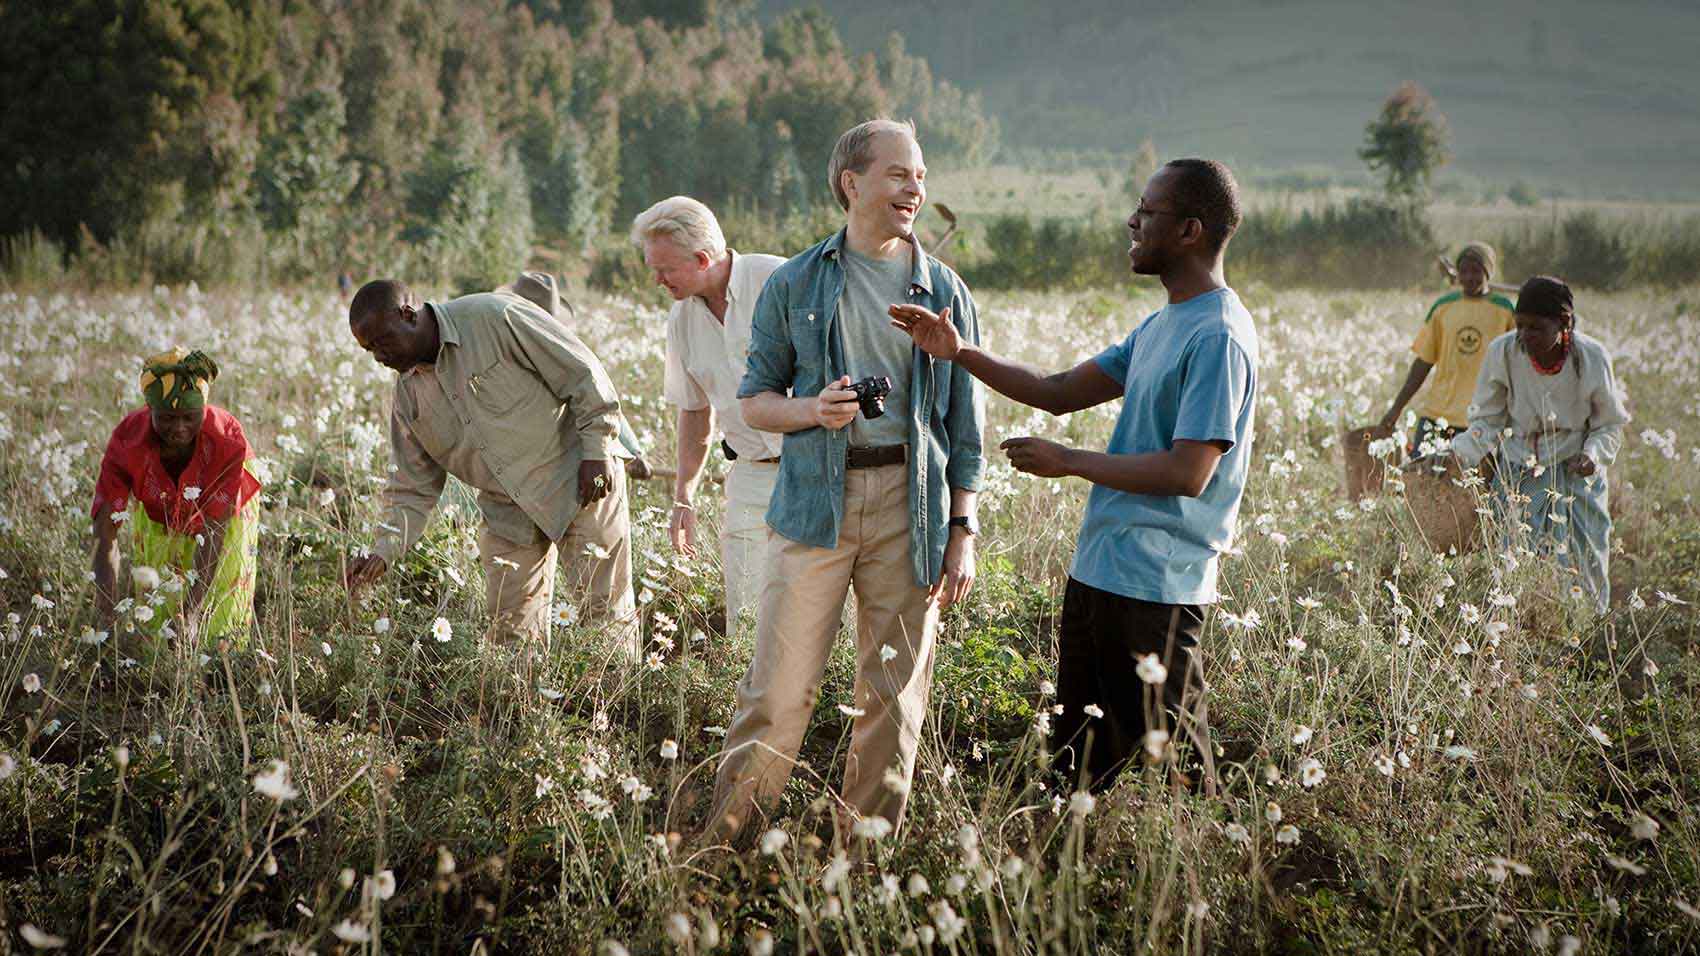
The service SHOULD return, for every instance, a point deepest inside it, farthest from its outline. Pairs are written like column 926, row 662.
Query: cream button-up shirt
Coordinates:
column 706, row 358
column 513, row 404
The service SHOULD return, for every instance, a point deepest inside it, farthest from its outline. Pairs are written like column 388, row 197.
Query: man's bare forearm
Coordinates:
column 1413, row 381
column 964, row 503
column 105, row 566
column 1165, row 473
column 695, row 427
column 1027, row 384
column 773, row 412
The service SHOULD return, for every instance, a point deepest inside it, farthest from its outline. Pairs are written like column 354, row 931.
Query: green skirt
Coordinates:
column 229, row 605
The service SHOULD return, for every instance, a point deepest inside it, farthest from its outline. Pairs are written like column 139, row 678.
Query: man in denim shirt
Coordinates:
column 886, row 508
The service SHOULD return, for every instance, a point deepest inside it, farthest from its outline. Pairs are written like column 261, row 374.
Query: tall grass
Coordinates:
column 1380, row 790
column 31, row 259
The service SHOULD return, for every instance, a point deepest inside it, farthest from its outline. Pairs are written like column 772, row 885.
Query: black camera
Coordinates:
column 871, row 393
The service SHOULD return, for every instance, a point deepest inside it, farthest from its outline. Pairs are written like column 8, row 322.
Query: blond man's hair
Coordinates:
column 855, row 150
column 687, row 222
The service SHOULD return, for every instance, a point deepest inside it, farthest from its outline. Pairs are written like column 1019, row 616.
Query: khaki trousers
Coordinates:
column 596, row 556
column 801, row 607
column 744, row 537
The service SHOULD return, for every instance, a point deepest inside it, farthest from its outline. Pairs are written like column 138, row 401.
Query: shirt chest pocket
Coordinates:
column 501, row 388
column 808, row 340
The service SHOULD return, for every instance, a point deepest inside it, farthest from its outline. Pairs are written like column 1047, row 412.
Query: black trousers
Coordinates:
column 1101, row 639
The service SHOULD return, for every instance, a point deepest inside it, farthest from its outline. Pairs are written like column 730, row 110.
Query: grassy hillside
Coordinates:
column 1594, row 99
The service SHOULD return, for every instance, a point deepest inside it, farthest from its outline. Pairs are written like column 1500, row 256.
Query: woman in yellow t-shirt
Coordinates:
column 1451, row 343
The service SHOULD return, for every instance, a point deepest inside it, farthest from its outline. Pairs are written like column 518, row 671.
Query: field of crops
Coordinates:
column 1416, row 753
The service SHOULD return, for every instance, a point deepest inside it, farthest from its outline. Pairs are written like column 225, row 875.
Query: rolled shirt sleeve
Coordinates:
column 574, row 375
column 416, row 482
column 773, row 359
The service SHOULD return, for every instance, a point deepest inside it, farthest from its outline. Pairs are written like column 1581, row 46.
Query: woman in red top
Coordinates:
column 177, row 473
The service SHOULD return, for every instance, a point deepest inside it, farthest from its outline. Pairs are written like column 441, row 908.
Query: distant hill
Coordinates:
column 1595, row 99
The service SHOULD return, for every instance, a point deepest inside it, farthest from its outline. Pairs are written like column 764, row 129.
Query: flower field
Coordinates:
column 1414, row 753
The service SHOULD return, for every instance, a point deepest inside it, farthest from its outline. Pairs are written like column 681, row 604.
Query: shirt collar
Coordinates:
column 731, row 283
column 921, row 278
column 448, row 333
column 448, row 330
column 732, row 277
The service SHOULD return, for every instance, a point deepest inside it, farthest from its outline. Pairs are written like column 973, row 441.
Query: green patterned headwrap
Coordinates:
column 175, row 379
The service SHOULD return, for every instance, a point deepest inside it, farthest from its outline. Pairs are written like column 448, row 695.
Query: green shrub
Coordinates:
column 1359, row 244
column 1595, row 255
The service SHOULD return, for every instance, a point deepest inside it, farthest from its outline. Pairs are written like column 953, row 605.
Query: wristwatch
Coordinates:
column 967, row 523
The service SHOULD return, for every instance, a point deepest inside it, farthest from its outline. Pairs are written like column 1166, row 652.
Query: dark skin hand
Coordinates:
column 105, row 566
column 1037, row 456
column 1181, row 471
column 595, row 481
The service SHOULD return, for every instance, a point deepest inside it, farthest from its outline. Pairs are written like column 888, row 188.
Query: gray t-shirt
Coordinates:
column 872, row 346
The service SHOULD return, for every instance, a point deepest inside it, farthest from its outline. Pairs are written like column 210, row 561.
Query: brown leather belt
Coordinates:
column 768, row 461
column 876, row 456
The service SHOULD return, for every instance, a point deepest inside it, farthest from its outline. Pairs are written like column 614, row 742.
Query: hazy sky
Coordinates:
column 1596, row 98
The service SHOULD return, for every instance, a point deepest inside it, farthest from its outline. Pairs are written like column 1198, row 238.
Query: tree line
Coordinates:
column 450, row 139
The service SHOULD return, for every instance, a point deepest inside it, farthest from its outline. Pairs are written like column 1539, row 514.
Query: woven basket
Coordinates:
column 1364, row 473
column 1444, row 511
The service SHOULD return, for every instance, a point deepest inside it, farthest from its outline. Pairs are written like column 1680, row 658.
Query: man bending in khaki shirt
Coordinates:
column 498, row 394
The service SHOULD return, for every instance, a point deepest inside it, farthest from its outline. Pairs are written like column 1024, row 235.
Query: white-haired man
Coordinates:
column 714, row 292
column 881, row 504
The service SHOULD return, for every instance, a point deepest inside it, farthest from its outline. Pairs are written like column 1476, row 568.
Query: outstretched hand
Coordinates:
column 1037, row 456
column 933, row 332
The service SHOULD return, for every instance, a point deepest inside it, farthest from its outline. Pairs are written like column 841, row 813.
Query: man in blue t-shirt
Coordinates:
column 1165, row 493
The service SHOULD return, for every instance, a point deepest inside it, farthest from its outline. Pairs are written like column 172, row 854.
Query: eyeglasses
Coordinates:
column 1145, row 212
